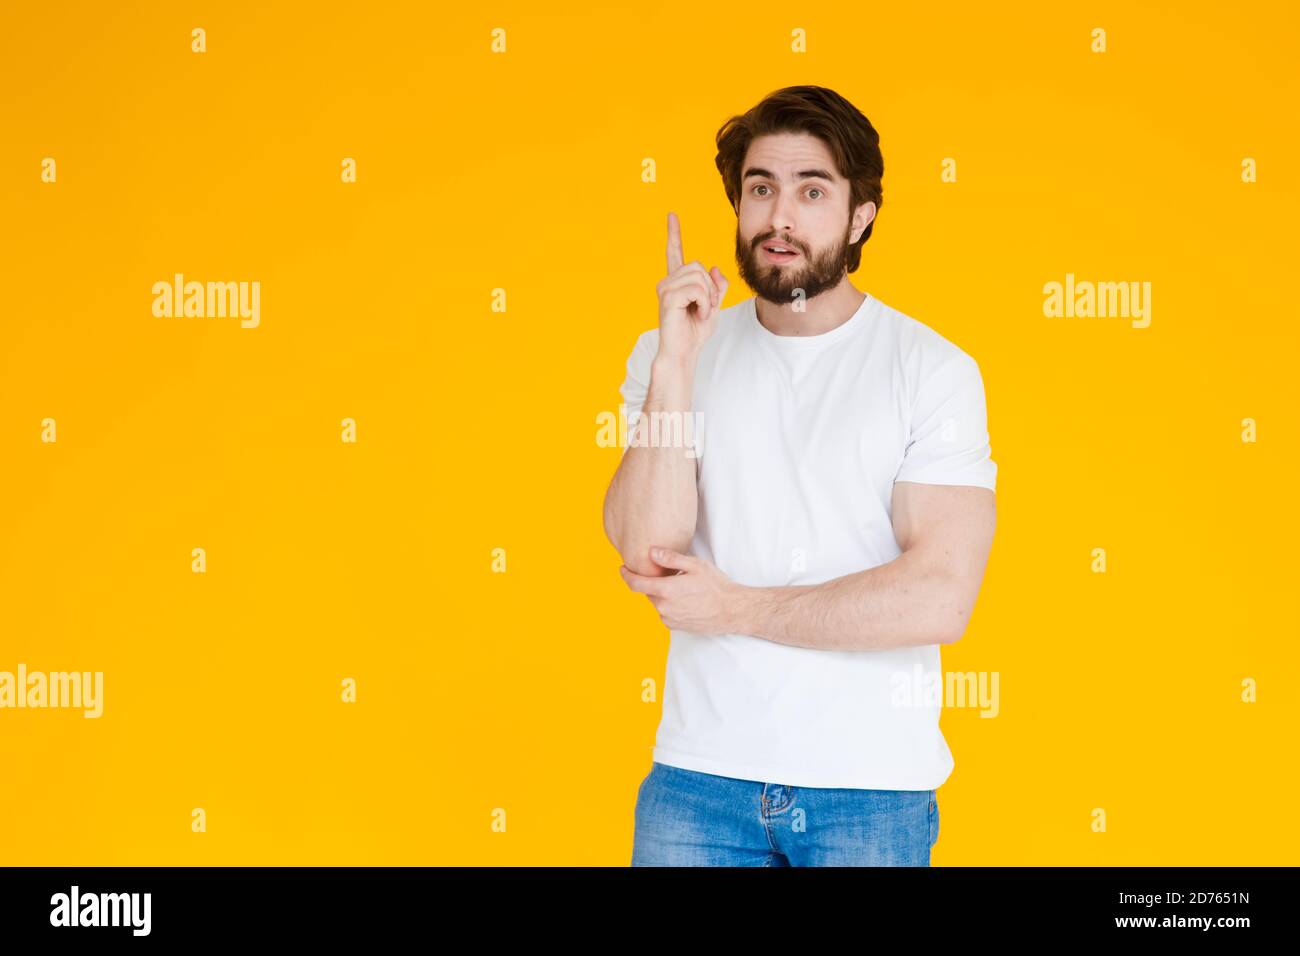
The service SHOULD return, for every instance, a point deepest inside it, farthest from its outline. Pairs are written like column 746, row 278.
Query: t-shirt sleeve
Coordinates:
column 949, row 440
column 637, row 381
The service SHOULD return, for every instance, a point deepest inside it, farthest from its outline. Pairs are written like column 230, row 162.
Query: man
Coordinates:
column 823, row 532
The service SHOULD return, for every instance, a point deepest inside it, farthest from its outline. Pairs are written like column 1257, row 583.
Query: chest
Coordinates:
column 821, row 419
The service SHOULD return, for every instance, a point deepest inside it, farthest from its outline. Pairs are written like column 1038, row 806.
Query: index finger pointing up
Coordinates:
column 674, row 243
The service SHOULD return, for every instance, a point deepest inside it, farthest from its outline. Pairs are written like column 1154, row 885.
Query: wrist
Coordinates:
column 674, row 365
column 747, row 610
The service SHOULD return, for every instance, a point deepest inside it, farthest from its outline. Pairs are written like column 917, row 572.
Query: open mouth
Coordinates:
column 778, row 252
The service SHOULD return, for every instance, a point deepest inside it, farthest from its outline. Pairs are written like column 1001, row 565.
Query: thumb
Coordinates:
column 667, row 558
column 721, row 282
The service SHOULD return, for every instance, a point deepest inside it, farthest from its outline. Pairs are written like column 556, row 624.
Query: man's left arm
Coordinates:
column 924, row 596
column 943, row 515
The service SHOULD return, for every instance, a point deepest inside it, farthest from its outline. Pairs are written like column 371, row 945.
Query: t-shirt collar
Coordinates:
column 837, row 334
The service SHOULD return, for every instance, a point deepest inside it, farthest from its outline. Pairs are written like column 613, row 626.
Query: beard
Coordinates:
column 778, row 282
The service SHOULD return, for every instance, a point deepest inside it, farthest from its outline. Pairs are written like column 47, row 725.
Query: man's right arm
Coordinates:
column 653, row 500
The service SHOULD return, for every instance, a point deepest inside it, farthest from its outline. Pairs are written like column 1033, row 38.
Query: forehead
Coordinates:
column 787, row 153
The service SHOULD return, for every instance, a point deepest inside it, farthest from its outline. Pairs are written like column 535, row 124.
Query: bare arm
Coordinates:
column 653, row 499
column 924, row 596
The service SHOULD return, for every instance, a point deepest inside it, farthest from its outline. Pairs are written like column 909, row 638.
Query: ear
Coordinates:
column 862, row 218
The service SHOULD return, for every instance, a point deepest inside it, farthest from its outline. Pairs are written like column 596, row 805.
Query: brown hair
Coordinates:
column 852, row 140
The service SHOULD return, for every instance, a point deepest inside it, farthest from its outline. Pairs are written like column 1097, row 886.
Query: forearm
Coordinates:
column 906, row 602
column 653, row 498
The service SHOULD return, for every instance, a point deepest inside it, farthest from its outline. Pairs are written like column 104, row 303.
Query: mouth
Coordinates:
column 778, row 252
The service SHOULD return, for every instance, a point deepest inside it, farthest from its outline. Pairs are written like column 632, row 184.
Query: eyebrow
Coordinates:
column 802, row 174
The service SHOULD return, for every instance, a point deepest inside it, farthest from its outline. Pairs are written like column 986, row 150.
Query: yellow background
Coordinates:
column 476, row 429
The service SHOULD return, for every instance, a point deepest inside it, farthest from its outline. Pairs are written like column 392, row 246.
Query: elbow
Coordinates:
column 645, row 566
column 635, row 553
column 637, row 558
column 610, row 525
column 954, row 604
column 955, row 623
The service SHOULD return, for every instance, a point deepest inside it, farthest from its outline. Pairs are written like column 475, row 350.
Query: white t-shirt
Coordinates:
column 799, row 440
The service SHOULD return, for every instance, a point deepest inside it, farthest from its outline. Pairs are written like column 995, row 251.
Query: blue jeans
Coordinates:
column 688, row 818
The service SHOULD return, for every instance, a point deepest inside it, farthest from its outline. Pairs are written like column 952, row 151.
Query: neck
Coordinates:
column 821, row 313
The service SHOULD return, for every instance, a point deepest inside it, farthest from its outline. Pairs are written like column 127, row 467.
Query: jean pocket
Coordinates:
column 934, row 818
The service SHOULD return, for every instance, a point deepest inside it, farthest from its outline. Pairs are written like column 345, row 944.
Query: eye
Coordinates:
column 759, row 186
column 815, row 190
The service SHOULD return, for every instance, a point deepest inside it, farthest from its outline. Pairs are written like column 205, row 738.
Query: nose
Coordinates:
column 782, row 221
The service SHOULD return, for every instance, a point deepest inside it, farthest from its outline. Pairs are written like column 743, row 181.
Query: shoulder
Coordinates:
column 919, row 341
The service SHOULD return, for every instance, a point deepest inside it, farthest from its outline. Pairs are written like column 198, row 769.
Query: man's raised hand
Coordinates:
column 689, row 300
